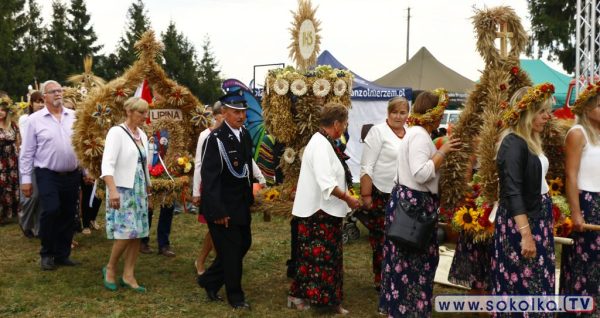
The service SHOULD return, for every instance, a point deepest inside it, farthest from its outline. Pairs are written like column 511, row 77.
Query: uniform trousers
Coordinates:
column 59, row 194
column 231, row 244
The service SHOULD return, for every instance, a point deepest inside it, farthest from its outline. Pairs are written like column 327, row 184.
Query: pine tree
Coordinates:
column 180, row 61
column 83, row 36
column 58, row 46
column 553, row 27
column 210, row 83
column 11, row 30
column 137, row 24
column 29, row 54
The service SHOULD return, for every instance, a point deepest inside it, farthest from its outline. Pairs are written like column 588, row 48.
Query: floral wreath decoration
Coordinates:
column 590, row 91
column 6, row 102
column 432, row 114
column 538, row 93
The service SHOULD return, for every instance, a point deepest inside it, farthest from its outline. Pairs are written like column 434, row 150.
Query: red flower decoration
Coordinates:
column 500, row 123
column 560, row 150
column 545, row 88
column 303, row 270
column 556, row 213
column 157, row 170
column 502, row 87
column 515, row 70
column 316, row 251
column 503, row 105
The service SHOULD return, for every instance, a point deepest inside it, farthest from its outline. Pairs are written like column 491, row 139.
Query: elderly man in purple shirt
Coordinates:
column 47, row 149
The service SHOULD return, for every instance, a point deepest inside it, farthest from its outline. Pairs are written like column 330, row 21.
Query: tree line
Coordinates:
column 32, row 49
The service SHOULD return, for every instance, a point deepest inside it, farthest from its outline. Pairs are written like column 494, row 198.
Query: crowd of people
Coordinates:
column 40, row 181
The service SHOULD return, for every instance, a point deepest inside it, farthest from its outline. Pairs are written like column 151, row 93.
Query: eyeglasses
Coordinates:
column 54, row 91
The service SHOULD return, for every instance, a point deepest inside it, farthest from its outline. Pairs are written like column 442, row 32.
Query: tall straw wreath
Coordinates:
column 483, row 110
column 104, row 109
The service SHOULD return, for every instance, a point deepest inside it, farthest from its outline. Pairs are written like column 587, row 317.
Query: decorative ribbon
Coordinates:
column 244, row 173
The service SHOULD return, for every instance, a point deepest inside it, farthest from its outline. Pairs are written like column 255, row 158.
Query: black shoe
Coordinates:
column 211, row 294
column 28, row 233
column 48, row 263
column 66, row 262
column 240, row 305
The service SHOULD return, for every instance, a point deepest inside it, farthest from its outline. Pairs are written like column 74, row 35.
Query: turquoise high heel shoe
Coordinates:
column 124, row 284
column 110, row 286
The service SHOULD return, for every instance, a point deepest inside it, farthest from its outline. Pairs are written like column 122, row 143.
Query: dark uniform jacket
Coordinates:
column 224, row 194
column 520, row 174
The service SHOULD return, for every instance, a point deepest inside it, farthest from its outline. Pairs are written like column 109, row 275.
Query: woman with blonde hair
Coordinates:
column 379, row 157
column 523, row 246
column 580, row 274
column 125, row 171
column 407, row 275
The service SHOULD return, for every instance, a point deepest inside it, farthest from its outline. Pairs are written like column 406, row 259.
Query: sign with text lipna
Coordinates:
column 156, row 114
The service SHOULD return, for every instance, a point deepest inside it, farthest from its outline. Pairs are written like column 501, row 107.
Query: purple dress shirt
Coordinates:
column 47, row 143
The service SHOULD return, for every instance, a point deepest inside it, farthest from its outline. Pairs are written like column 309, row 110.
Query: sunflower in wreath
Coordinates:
column 272, row 195
column 555, row 186
column 465, row 219
column 563, row 228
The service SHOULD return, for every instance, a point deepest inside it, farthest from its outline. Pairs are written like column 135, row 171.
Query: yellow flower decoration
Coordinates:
column 555, row 186
column 353, row 193
column 180, row 161
column 188, row 167
column 534, row 95
column 433, row 114
column 466, row 218
column 272, row 195
column 590, row 91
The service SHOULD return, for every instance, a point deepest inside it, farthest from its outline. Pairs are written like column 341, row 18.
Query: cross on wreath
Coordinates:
column 504, row 35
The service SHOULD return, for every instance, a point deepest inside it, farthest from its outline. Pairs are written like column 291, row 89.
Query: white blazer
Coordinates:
column 120, row 157
column 320, row 172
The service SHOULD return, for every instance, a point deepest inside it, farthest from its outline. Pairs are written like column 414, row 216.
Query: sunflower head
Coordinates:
column 466, row 219
column 555, row 186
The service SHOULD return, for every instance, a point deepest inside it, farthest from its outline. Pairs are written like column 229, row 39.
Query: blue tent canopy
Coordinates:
column 362, row 88
column 540, row 72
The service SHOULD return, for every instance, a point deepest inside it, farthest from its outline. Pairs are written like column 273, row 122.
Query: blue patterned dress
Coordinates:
column 580, row 267
column 131, row 220
column 407, row 277
column 471, row 263
column 514, row 275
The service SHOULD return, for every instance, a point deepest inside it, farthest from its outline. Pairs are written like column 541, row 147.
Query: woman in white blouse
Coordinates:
column 582, row 184
column 407, row 276
column 379, row 157
column 125, row 171
column 322, row 201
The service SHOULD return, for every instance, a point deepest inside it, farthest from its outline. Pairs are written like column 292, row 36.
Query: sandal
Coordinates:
column 86, row 231
column 298, row 302
column 94, row 225
column 339, row 310
column 197, row 270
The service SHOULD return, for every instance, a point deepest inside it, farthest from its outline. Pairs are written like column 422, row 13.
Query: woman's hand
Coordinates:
column 352, row 202
column 452, row 145
column 528, row 249
column 150, row 204
column 114, row 199
column 578, row 221
column 367, row 203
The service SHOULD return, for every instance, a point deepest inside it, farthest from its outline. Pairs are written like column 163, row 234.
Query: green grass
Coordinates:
column 27, row 291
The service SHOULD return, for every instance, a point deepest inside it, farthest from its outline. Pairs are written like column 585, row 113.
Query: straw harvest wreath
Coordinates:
column 104, row 109
column 471, row 201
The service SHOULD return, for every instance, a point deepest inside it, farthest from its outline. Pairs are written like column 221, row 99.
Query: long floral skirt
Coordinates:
column 407, row 277
column 514, row 275
column 580, row 263
column 471, row 263
column 377, row 228
column 319, row 259
column 130, row 221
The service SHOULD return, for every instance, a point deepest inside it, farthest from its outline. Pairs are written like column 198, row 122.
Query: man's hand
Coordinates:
column 88, row 179
column 27, row 189
column 223, row 221
column 196, row 201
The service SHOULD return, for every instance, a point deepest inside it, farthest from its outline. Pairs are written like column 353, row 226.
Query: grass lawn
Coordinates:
column 27, row 291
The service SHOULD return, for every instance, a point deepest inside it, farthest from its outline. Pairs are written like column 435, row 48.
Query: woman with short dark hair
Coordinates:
column 322, row 201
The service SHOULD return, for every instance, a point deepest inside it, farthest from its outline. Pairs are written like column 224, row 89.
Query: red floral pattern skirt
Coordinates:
column 377, row 228
column 319, row 258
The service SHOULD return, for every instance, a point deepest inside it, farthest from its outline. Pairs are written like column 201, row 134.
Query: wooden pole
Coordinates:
column 407, row 33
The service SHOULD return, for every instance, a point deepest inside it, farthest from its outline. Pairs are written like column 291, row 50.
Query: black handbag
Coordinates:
column 412, row 227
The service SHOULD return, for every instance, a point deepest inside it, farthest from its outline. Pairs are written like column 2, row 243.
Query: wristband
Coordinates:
column 441, row 153
column 149, row 194
column 524, row 226
column 343, row 196
column 365, row 195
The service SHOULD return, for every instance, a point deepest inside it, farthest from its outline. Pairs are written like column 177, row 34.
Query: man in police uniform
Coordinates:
column 226, row 199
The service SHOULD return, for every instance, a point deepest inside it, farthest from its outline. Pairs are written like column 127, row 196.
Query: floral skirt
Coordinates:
column 377, row 228
column 514, row 275
column 319, row 258
column 580, row 263
column 471, row 263
column 407, row 277
column 130, row 221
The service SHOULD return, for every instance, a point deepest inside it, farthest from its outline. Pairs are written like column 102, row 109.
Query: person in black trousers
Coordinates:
column 226, row 199
column 89, row 213
column 163, row 231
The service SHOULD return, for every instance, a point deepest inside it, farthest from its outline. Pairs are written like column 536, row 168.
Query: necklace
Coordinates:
column 138, row 138
column 403, row 130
